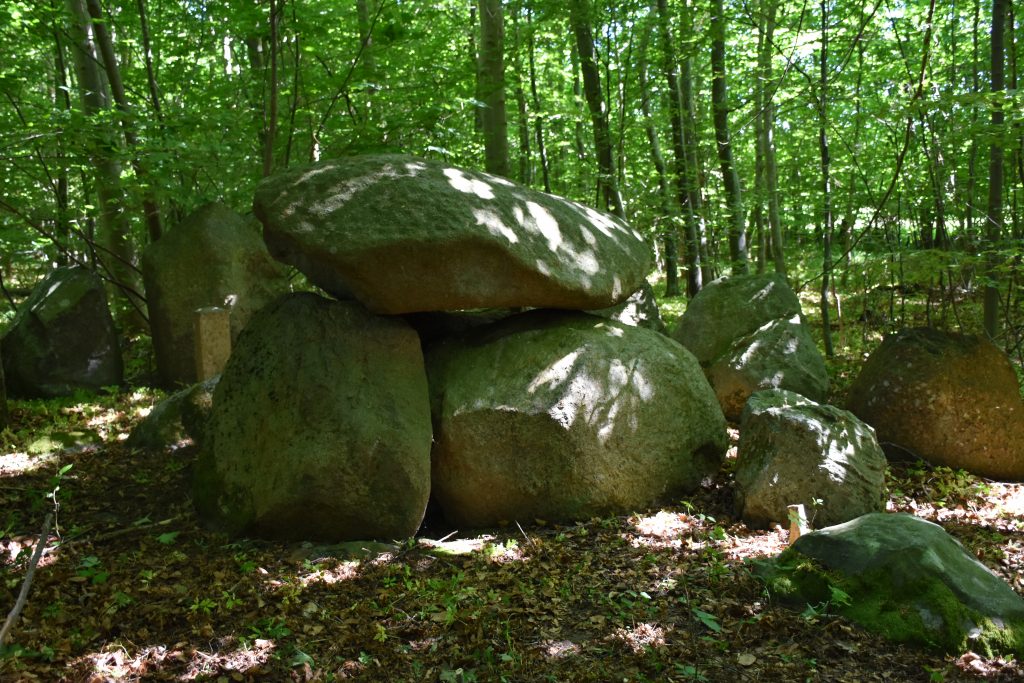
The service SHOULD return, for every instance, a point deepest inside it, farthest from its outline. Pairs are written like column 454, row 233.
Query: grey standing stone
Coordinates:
column 320, row 428
column 214, row 257
column 62, row 338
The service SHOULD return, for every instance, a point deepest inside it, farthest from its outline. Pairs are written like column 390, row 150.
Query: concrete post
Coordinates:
column 213, row 341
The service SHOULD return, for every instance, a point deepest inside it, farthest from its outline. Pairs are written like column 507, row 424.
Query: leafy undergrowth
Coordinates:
column 131, row 587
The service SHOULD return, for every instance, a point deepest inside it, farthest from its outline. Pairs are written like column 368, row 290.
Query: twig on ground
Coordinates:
column 19, row 604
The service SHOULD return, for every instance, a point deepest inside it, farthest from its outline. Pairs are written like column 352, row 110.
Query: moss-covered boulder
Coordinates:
column 62, row 338
column 904, row 578
column 778, row 355
column 4, row 416
column 213, row 257
column 794, row 450
column 950, row 399
column 320, row 428
column 730, row 308
column 748, row 334
column 562, row 416
column 402, row 234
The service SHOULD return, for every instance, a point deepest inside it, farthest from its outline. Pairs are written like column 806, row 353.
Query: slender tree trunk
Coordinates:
column 114, row 230
column 767, row 140
column 62, row 102
column 577, row 93
column 972, row 163
column 538, row 123
column 270, row 130
column 579, row 13
column 720, row 107
column 4, row 415
column 994, row 217
column 297, row 93
column 684, row 176
column 669, row 211
column 491, row 79
column 106, row 48
column 147, row 50
column 826, row 190
column 523, row 122
column 694, row 174
column 366, row 37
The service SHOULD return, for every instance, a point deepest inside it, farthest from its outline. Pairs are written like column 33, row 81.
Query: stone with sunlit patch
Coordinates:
column 62, row 338
column 563, row 416
column 793, row 450
column 731, row 308
column 748, row 334
column 320, row 427
column 779, row 355
column 403, row 235
column 950, row 399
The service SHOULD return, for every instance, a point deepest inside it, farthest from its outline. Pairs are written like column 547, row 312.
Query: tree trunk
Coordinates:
column 694, row 176
column 270, row 128
column 720, row 107
column 114, row 230
column 767, row 140
column 826, row 190
column 523, row 122
column 491, row 79
column 994, row 213
column 62, row 102
column 688, row 199
column 579, row 16
column 106, row 48
column 669, row 211
column 4, row 415
column 538, row 124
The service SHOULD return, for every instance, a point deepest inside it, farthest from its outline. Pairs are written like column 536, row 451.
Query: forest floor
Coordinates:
column 131, row 587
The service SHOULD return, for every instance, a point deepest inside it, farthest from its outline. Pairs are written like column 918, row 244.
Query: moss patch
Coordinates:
column 922, row 611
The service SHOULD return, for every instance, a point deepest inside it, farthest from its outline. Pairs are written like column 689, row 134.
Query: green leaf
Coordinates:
column 168, row 538
column 708, row 619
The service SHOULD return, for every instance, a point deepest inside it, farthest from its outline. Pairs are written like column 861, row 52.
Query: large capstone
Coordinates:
column 793, row 450
column 403, row 234
column 904, row 578
column 212, row 258
column 320, row 428
column 62, row 338
column 748, row 334
column 562, row 416
column 950, row 399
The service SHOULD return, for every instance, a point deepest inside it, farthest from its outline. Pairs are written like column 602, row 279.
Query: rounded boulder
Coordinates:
column 562, row 416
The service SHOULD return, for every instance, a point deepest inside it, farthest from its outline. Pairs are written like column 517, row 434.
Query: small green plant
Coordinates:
column 690, row 672
column 709, row 620
column 203, row 606
column 91, row 568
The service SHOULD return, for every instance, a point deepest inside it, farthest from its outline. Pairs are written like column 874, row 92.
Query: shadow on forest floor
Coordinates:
column 132, row 588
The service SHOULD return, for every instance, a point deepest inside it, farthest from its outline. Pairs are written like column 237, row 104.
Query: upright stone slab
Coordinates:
column 561, row 416
column 62, row 338
column 320, row 428
column 405, row 235
column 213, row 258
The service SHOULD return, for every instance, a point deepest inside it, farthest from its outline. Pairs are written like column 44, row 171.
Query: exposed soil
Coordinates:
column 132, row 588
